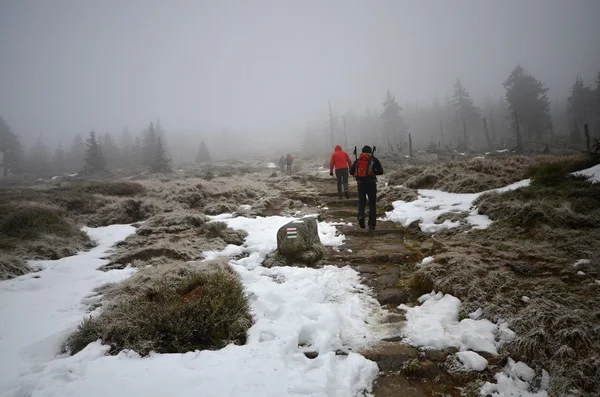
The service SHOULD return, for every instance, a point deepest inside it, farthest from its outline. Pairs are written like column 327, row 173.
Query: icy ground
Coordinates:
column 433, row 203
column 325, row 310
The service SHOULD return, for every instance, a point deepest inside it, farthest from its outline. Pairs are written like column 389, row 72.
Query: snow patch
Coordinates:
column 427, row 261
column 476, row 314
column 525, row 299
column 472, row 360
column 515, row 381
column 435, row 324
column 271, row 165
column 580, row 262
column 580, row 273
column 592, row 173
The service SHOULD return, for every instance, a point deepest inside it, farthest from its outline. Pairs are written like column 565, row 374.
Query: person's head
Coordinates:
column 338, row 148
column 367, row 149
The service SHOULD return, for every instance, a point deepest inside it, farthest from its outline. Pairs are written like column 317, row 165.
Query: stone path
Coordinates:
column 385, row 259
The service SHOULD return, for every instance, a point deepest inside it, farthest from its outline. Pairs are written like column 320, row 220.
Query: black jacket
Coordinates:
column 377, row 170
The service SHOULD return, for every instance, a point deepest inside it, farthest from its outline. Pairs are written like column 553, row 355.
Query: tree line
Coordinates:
column 523, row 118
column 99, row 153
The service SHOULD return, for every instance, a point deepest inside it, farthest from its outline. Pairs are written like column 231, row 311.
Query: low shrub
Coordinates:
column 203, row 311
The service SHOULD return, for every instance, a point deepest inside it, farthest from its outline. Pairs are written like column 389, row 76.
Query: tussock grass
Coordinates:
column 201, row 310
column 120, row 188
column 480, row 174
column 124, row 211
column 11, row 267
column 31, row 221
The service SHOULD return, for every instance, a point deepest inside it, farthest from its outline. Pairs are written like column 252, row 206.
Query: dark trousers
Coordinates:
column 342, row 179
column 367, row 190
column 289, row 168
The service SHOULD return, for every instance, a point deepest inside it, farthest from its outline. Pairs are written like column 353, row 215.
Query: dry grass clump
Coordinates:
column 547, row 227
column 11, row 267
column 193, row 311
column 388, row 194
column 123, row 211
column 480, row 174
column 554, row 199
column 120, row 188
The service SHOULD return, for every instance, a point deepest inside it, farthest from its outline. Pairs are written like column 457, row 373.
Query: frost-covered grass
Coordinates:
column 480, row 174
column 202, row 310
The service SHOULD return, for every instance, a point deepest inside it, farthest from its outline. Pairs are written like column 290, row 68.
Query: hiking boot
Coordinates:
column 361, row 223
column 340, row 195
column 372, row 228
column 347, row 195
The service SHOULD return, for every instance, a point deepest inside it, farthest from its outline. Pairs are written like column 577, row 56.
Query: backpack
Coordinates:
column 364, row 166
column 289, row 159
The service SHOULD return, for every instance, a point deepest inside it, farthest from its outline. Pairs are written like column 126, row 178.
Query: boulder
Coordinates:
column 298, row 242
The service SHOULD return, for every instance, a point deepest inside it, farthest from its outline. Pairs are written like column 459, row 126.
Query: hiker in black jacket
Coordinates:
column 365, row 170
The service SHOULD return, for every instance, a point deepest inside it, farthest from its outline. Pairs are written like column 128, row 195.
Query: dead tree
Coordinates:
column 487, row 135
column 331, row 125
column 519, row 148
column 410, row 153
column 465, row 135
column 442, row 133
column 492, row 126
column 345, row 134
column 588, row 144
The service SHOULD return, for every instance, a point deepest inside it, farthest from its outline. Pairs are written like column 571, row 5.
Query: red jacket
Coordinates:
column 339, row 159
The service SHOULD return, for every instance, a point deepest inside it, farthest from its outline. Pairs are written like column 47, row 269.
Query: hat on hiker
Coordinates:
column 366, row 149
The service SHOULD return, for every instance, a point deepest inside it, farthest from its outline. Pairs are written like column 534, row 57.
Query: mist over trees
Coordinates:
column 451, row 123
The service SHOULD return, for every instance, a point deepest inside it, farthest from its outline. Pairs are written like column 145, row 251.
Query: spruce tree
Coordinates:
column 160, row 162
column 466, row 113
column 581, row 103
column 37, row 160
column 111, row 151
column 150, row 139
column 59, row 160
column 203, row 156
column 393, row 126
column 94, row 161
column 597, row 105
column 527, row 97
column 10, row 150
column 77, row 153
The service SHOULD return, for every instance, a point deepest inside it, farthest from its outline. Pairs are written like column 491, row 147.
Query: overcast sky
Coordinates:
column 72, row 66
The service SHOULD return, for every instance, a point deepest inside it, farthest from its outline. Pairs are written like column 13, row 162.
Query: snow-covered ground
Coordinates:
column 433, row 203
column 435, row 324
column 325, row 310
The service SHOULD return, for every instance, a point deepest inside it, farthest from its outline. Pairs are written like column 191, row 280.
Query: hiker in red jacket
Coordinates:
column 341, row 161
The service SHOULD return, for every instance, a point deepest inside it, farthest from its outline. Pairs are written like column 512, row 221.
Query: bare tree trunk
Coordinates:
column 465, row 135
column 493, row 127
column 588, row 145
column 487, row 135
column 345, row 135
column 519, row 148
column 331, row 125
column 442, row 134
column 410, row 146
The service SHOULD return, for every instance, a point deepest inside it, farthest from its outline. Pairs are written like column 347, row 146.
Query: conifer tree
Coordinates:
column 77, row 153
column 11, row 151
column 160, row 162
column 393, row 126
column 111, row 151
column 94, row 161
column 149, row 144
column 59, row 160
column 203, row 156
column 526, row 96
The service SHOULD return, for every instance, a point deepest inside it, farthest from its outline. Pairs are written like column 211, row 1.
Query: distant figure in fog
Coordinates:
column 341, row 161
column 282, row 163
column 288, row 161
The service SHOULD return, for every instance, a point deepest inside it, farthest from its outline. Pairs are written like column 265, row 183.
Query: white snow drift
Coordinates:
column 295, row 310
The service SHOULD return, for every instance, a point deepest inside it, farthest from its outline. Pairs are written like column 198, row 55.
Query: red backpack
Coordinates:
column 364, row 166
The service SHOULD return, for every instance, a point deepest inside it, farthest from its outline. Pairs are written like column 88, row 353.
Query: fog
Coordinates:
column 268, row 69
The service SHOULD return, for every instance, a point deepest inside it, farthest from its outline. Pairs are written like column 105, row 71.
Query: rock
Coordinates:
column 392, row 296
column 392, row 339
column 495, row 360
column 426, row 370
column 386, row 280
column 311, row 355
column 391, row 356
column 435, row 355
column 298, row 241
column 394, row 385
column 394, row 318
column 437, row 248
